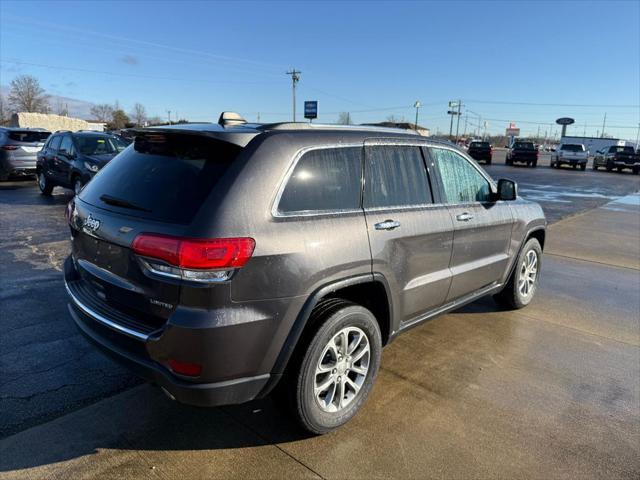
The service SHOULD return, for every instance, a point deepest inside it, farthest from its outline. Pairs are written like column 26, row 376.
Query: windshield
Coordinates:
column 524, row 145
column 572, row 148
column 28, row 136
column 99, row 144
column 622, row 149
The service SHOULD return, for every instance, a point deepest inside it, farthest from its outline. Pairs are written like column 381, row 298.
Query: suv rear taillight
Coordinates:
column 194, row 259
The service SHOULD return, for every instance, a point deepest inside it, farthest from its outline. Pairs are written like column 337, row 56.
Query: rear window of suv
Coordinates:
column 28, row 136
column 164, row 177
column 480, row 144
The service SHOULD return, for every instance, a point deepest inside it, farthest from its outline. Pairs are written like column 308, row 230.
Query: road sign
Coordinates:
column 512, row 132
column 311, row 109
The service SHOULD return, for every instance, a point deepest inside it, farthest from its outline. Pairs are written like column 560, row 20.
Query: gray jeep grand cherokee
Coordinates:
column 221, row 260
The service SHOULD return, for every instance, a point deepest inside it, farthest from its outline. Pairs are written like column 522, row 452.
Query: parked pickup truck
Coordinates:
column 573, row 154
column 480, row 151
column 619, row 157
column 522, row 152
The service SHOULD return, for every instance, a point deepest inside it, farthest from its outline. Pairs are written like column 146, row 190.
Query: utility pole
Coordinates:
column 258, row 118
column 452, row 113
column 295, row 78
column 604, row 122
column 458, row 122
column 638, row 137
column 169, row 112
column 466, row 118
column 417, row 106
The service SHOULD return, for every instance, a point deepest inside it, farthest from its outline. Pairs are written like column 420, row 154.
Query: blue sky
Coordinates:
column 373, row 59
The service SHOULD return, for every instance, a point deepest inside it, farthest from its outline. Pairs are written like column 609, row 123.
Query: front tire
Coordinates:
column 583, row 167
column 338, row 368
column 45, row 185
column 523, row 282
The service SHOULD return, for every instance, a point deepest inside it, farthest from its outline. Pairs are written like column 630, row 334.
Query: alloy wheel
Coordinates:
column 342, row 369
column 528, row 273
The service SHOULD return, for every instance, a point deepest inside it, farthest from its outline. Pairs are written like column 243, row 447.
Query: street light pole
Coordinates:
column 417, row 106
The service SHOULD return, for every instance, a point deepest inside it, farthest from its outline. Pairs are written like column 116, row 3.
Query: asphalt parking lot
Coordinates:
column 549, row 391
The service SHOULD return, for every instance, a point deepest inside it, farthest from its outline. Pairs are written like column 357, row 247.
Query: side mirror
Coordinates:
column 507, row 190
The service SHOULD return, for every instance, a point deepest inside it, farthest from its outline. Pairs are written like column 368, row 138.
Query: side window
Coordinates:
column 66, row 146
column 461, row 181
column 395, row 176
column 54, row 144
column 324, row 180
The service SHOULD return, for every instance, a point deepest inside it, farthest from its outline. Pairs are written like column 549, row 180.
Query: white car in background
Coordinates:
column 573, row 154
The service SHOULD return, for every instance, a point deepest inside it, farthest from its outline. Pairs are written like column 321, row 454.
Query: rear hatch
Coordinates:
column 627, row 155
column 157, row 185
column 23, row 147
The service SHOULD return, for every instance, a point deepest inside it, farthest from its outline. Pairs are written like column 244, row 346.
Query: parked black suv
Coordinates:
column 480, row 151
column 221, row 261
column 71, row 159
column 18, row 150
column 522, row 152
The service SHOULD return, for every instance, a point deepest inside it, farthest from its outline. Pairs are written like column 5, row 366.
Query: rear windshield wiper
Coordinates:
column 118, row 202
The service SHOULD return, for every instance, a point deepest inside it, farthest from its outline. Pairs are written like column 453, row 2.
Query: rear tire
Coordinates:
column 583, row 167
column 45, row 185
column 523, row 282
column 534, row 164
column 608, row 167
column 594, row 166
column 635, row 170
column 332, row 378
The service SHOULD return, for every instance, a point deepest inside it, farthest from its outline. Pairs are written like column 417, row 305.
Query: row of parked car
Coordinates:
column 66, row 159
column 617, row 157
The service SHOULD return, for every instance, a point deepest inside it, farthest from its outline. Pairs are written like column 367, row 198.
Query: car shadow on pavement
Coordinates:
column 144, row 419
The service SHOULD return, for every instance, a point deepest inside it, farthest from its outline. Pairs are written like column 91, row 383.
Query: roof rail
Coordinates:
column 331, row 126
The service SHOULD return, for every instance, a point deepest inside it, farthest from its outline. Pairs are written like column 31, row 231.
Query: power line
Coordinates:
column 137, row 75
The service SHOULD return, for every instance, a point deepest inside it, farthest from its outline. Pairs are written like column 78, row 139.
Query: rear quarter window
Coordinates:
column 324, row 180
column 164, row 177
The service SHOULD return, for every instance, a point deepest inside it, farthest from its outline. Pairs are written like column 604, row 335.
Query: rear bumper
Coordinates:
column 12, row 166
column 571, row 161
column 143, row 353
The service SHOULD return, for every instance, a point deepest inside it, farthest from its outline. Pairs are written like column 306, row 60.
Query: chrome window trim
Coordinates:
column 423, row 142
column 103, row 320
column 275, row 212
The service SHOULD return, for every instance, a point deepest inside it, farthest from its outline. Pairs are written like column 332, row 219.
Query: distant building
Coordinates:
column 425, row 132
column 52, row 122
column 593, row 144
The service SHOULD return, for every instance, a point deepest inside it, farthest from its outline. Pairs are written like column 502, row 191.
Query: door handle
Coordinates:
column 464, row 217
column 387, row 225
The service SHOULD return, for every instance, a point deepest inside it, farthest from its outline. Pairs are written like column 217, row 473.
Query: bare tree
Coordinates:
column 4, row 111
column 139, row 114
column 102, row 112
column 394, row 119
column 62, row 108
column 26, row 95
column 344, row 118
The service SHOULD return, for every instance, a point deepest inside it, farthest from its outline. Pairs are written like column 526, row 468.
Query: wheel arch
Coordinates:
column 369, row 290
